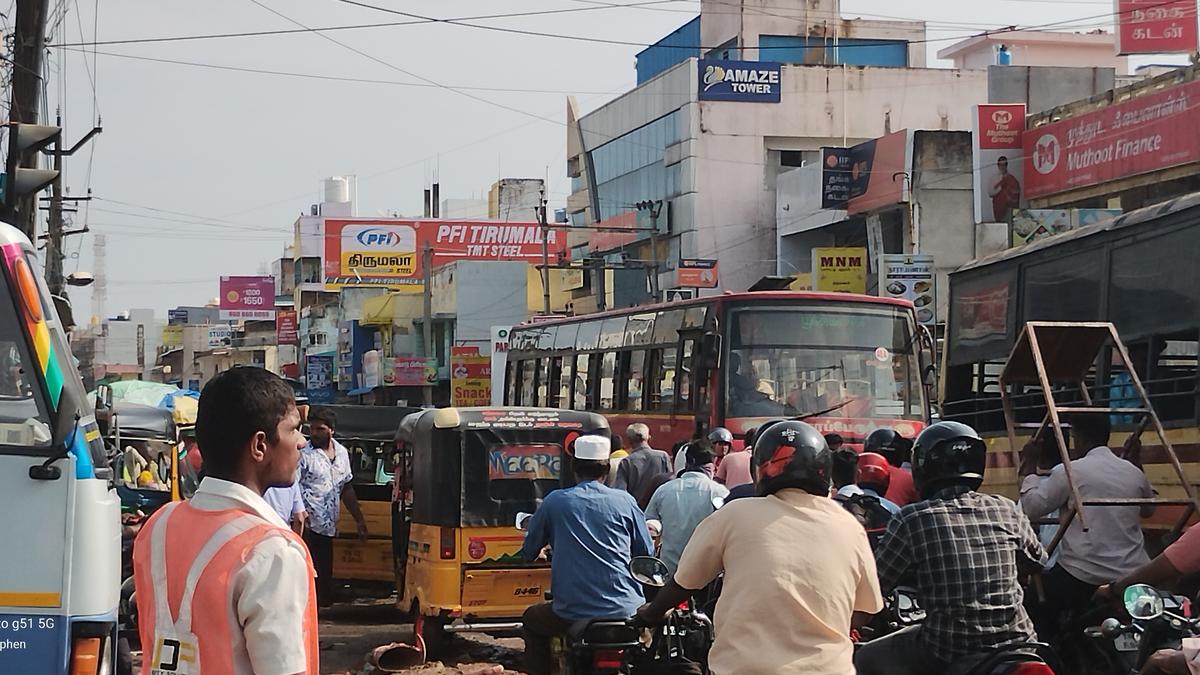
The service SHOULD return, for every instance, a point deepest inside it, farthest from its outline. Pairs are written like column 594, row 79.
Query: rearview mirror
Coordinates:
column 710, row 350
column 522, row 521
column 1143, row 602
column 649, row 571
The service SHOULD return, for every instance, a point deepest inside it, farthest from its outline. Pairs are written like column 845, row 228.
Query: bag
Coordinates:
column 869, row 512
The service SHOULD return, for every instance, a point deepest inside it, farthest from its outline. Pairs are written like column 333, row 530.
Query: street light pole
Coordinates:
column 654, row 208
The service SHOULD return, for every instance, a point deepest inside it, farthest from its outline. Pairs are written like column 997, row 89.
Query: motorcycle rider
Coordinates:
column 594, row 531
column 963, row 549
column 897, row 449
column 790, row 553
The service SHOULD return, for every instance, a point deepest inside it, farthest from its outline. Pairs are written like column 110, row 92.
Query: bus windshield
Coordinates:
column 24, row 420
column 857, row 361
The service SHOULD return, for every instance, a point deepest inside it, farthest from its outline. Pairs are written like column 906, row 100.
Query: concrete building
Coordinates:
column 1097, row 49
column 514, row 199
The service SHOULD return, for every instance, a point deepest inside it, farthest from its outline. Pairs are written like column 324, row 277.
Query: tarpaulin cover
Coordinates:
column 367, row 422
column 144, row 422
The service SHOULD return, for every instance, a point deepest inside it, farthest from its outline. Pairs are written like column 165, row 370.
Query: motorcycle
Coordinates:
column 900, row 610
column 1158, row 620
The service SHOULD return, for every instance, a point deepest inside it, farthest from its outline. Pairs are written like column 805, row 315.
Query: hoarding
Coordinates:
column 1030, row 225
column 388, row 252
column 696, row 273
column 287, row 327
column 1156, row 26
column 842, row 269
column 175, row 316
column 996, row 157
column 879, row 172
column 318, row 381
column 571, row 280
column 1143, row 134
column 219, row 335
column 470, row 377
column 741, row 81
column 499, row 362
column 250, row 298
column 410, row 371
column 172, row 335
column 835, row 177
column 910, row 277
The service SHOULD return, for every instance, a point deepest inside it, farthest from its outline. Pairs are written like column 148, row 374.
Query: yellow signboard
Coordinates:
column 470, row 377
column 840, row 270
column 172, row 336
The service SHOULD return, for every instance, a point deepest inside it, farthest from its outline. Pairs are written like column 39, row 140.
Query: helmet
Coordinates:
column 890, row 444
column 874, row 472
column 720, row 435
column 948, row 454
column 792, row 455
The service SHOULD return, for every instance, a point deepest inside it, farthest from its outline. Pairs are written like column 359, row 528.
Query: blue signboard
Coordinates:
column 746, row 81
column 32, row 643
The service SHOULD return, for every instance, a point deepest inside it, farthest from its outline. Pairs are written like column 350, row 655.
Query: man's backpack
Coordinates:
column 869, row 512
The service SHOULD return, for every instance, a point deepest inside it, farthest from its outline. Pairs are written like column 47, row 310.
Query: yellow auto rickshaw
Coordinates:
column 462, row 476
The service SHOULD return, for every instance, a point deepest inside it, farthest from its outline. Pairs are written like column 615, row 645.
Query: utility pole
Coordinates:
column 540, row 211
column 654, row 208
column 427, row 325
column 29, row 43
column 54, row 243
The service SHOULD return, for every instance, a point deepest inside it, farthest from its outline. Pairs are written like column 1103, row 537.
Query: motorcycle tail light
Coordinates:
column 608, row 659
column 682, row 606
column 1032, row 669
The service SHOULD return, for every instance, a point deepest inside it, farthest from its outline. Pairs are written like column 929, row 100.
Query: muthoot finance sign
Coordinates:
column 748, row 81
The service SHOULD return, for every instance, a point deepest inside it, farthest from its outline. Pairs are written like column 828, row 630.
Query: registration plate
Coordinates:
column 1126, row 642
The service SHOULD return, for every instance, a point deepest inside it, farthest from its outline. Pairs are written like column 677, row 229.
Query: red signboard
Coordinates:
column 999, row 129
column 1156, row 26
column 694, row 273
column 878, row 172
column 287, row 327
column 1147, row 133
column 247, row 298
column 606, row 241
column 388, row 252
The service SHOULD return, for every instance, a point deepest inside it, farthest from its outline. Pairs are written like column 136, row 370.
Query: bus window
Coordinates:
column 543, row 381
column 662, row 380
column 684, row 390
column 527, row 382
column 23, row 410
column 635, row 376
column 608, row 374
column 562, row 366
column 584, row 398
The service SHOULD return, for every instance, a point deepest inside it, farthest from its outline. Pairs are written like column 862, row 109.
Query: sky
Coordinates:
column 201, row 171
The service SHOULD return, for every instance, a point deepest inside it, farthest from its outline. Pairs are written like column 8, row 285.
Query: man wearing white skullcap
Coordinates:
column 594, row 531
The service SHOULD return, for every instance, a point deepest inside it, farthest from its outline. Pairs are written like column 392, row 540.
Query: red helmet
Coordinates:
column 874, row 472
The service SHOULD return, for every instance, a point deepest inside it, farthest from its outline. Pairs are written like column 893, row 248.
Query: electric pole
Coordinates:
column 54, row 224
column 29, row 44
column 427, row 326
column 540, row 210
column 654, row 208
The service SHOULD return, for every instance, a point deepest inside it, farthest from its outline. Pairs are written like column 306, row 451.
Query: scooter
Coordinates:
column 1159, row 620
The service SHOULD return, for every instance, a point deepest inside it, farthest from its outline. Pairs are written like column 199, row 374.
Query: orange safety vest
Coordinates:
column 184, row 561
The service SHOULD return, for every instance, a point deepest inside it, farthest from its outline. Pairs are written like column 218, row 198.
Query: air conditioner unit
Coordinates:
column 677, row 294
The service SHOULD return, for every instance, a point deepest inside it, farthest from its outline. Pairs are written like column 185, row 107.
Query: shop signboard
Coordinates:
column 910, row 277
column 413, row 371
column 998, row 168
column 740, row 81
column 219, row 335
column 840, row 269
column 251, row 298
column 319, row 378
column 287, row 327
column 499, row 362
column 172, row 335
column 389, row 252
column 1156, row 26
column 1147, row 133
column 470, row 377
column 879, row 172
column 696, row 273
column 835, row 177
column 1030, row 225
column 175, row 316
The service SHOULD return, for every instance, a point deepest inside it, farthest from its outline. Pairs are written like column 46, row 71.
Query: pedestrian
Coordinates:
column 734, row 469
column 643, row 463
column 288, row 502
column 681, row 504
column 845, row 472
column 618, row 453
column 325, row 482
column 220, row 579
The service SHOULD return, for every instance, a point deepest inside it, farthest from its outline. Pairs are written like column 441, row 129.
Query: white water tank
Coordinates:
column 337, row 190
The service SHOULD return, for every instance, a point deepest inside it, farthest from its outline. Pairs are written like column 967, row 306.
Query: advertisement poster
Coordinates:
column 910, row 277
column 1143, row 134
column 250, row 298
column 878, row 172
column 371, row 368
column 172, row 335
column 470, row 377
column 219, row 335
column 175, row 316
column 742, row 81
column 984, row 314
column 413, row 371
column 841, row 270
column 319, row 378
column 570, row 280
column 1030, row 225
column 996, row 151
column 1156, row 26
column 835, row 177
column 696, row 273
column 388, row 252
column 287, row 327
column 499, row 362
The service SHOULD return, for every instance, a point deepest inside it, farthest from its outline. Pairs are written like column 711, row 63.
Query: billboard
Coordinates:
column 842, row 270
column 696, row 273
column 875, row 168
column 319, row 378
column 1143, row 134
column 470, row 377
column 172, row 335
column 287, row 327
column 499, row 362
column 219, row 335
column 910, row 277
column 742, row 81
column 1030, row 225
column 247, row 298
column 1156, row 26
column 835, row 177
column 388, row 252
column 410, row 371
column 996, row 157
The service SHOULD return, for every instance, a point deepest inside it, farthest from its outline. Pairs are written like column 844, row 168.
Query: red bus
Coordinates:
column 845, row 363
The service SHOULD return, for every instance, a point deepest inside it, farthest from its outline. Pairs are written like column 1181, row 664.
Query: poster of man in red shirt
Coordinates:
column 997, row 142
column 1005, row 191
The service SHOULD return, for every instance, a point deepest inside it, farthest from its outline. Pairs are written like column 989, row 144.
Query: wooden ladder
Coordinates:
column 1053, row 352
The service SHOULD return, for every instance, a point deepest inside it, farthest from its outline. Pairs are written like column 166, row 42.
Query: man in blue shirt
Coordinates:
column 594, row 532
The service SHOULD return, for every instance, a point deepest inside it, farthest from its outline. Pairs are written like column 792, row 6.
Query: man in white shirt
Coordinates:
column 1113, row 546
column 680, row 504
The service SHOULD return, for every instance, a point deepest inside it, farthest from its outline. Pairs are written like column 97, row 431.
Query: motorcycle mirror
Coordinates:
column 1143, row 602
column 649, row 571
column 522, row 521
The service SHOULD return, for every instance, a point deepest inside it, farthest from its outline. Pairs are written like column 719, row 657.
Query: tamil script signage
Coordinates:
column 840, row 269
column 910, row 277
column 696, row 273
column 1156, row 26
column 835, row 177
column 743, row 81
column 879, row 172
column 470, row 377
column 287, row 327
column 1143, row 134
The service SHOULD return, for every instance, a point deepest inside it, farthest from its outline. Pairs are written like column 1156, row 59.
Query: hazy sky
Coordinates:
column 201, row 171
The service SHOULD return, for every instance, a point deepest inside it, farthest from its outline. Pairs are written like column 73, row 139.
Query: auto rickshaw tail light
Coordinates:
column 85, row 656
column 447, row 545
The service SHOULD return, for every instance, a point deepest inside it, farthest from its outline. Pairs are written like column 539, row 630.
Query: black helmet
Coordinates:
column 720, row 435
column 792, row 455
column 948, row 454
column 890, row 444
